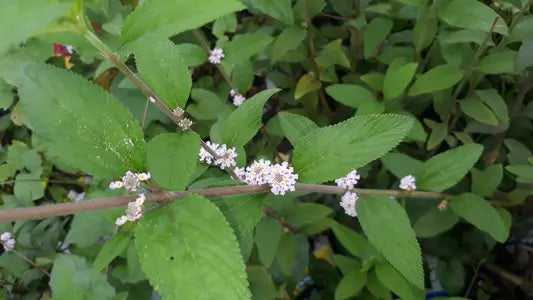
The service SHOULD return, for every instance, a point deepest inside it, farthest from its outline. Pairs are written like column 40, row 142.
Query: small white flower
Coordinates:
column 6, row 236
column 75, row 196
column 152, row 99
column 9, row 245
column 281, row 178
column 178, row 111
column 115, row 185
column 408, row 183
column 140, row 201
column 232, row 92
column 349, row 181
column 185, row 124
column 121, row 220
column 69, row 49
column 131, row 181
column 258, row 171
column 144, row 176
column 226, row 157
column 348, row 201
column 133, row 212
column 216, row 55
column 238, row 100
column 241, row 173
column 206, row 156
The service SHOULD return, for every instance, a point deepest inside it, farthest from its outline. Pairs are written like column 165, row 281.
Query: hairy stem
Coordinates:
column 54, row 210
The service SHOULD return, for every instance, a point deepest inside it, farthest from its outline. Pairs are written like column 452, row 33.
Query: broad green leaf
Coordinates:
column 244, row 46
column 332, row 54
column 164, row 70
column 401, row 165
column 523, row 58
column 434, row 222
column 376, row 288
column 471, row 14
column 481, row 214
column 172, row 158
column 437, row 135
column 242, row 124
column 261, row 283
column 387, row 227
column 464, row 36
column 346, row 264
column 20, row 19
column 243, row 76
column 375, row 33
column 241, row 211
column 287, row 40
column 425, row 29
column 227, row 23
column 188, row 245
column 374, row 80
column 351, row 240
column 496, row 103
column 451, row 274
column 315, row 7
column 419, row 3
column 523, row 29
column 477, row 110
column 192, row 54
column 87, row 227
column 71, row 273
column 164, row 19
column 295, row 126
column 350, row 94
column 394, row 281
column 111, row 249
column 518, row 152
column 436, row 79
column 79, row 123
column 306, row 84
column 29, row 187
column 6, row 96
column 331, row 152
column 485, row 183
column 350, row 285
column 302, row 214
column 277, row 9
column 208, row 105
column 398, row 76
column 446, row 169
column 267, row 237
column 498, row 63
column 286, row 253
column 524, row 172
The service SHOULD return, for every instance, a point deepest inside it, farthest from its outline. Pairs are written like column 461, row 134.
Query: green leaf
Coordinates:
column 436, row 79
column 71, row 273
column 464, row 36
column 522, row 30
column 302, row 214
column 523, row 58
column 244, row 46
column 286, row 253
column 394, row 281
column 351, row 240
column 496, row 103
column 437, row 135
column 288, row 39
column 350, row 94
column 242, row 124
column 451, row 274
column 485, row 183
column 471, row 14
column 111, row 249
column 398, row 76
column 243, row 76
column 187, row 246
column 172, row 158
column 22, row 19
column 306, row 84
column 227, row 23
column 425, row 30
column 241, row 211
column 331, row 152
column 164, row 19
column 28, row 187
column 524, row 172
column 6, row 96
column 434, row 222
column 446, row 169
column 164, row 70
column 332, row 54
column 481, row 214
column 350, row 285
column 401, row 165
column 208, row 105
column 498, row 63
column 387, row 227
column 79, row 123
column 376, row 288
column 374, row 34
column 277, row 9
column 261, row 283
column 478, row 111
column 87, row 227
column 192, row 54
column 267, row 238
column 295, row 126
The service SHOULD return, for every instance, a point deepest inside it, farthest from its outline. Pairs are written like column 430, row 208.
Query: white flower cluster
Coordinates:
column 215, row 56
column 184, row 123
column 7, row 241
column 349, row 199
column 238, row 99
column 133, row 212
column 408, row 183
column 226, row 156
column 130, row 181
column 280, row 177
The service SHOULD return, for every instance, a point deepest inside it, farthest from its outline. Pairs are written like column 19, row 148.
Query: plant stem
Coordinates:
column 476, row 271
column 31, row 262
column 54, row 210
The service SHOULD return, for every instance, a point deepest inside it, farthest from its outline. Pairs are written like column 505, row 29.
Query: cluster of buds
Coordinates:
column 184, row 123
column 280, row 177
column 238, row 99
column 7, row 241
column 349, row 199
column 215, row 56
column 408, row 183
column 130, row 181
column 226, row 156
column 133, row 211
